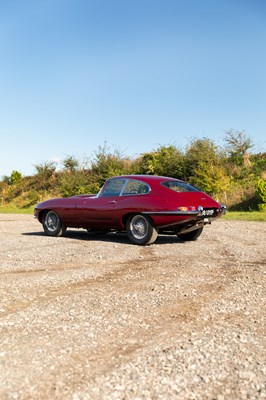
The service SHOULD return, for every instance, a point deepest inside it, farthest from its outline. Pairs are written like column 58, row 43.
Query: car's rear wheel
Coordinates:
column 140, row 229
column 193, row 235
column 52, row 224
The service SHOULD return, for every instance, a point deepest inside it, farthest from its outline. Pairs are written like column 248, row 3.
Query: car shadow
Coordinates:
column 113, row 237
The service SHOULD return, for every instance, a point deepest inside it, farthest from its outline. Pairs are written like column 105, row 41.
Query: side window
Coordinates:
column 135, row 187
column 113, row 187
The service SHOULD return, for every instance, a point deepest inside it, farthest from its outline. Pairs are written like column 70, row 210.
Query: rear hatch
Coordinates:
column 197, row 199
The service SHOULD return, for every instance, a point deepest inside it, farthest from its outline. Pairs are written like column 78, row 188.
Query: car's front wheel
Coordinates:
column 140, row 229
column 193, row 235
column 52, row 224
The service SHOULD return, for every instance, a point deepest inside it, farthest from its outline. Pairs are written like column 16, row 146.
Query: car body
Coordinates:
column 141, row 205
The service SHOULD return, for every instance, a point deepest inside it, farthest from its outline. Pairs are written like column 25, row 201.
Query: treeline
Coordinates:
column 233, row 174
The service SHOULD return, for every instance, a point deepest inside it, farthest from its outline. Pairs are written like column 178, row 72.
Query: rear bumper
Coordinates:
column 200, row 212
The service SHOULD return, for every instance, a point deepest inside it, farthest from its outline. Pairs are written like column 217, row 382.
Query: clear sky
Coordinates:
column 134, row 73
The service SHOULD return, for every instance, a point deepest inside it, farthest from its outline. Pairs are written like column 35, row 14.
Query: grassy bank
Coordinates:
column 246, row 215
column 16, row 210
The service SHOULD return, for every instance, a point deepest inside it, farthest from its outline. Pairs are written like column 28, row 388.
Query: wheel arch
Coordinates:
column 42, row 213
column 131, row 214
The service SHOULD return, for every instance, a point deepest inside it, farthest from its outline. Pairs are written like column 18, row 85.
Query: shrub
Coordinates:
column 15, row 177
column 260, row 192
column 262, row 206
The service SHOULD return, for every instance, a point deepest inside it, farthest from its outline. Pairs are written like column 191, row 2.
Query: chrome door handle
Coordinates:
column 112, row 202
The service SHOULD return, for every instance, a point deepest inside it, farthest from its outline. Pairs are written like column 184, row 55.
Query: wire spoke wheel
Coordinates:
column 139, row 226
column 52, row 221
column 52, row 224
column 141, row 230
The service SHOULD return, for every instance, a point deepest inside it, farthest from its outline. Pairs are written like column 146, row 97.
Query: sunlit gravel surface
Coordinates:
column 95, row 317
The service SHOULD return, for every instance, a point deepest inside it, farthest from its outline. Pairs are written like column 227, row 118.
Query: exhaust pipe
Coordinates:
column 192, row 228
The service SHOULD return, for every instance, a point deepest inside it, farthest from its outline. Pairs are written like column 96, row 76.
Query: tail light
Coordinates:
column 186, row 208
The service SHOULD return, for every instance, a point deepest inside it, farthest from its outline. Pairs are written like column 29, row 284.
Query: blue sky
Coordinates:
column 136, row 74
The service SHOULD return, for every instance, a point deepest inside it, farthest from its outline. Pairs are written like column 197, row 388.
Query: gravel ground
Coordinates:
column 95, row 317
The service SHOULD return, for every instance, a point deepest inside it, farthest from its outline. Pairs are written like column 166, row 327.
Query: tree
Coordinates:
column 200, row 151
column 205, row 167
column 107, row 164
column 238, row 144
column 45, row 172
column 77, row 182
column 3, row 189
column 70, row 163
column 211, row 178
column 15, row 177
column 6, row 179
column 166, row 161
column 45, row 169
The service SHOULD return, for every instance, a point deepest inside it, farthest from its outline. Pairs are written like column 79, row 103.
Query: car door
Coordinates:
column 96, row 212
column 100, row 212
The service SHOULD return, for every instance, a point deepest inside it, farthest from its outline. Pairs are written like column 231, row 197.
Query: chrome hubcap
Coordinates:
column 51, row 221
column 139, row 227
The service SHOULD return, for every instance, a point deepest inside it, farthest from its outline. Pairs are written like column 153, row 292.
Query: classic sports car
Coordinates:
column 142, row 205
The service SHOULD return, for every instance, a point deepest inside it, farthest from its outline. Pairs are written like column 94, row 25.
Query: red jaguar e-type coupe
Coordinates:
column 142, row 205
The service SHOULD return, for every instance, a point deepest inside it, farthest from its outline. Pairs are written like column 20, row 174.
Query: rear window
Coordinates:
column 180, row 186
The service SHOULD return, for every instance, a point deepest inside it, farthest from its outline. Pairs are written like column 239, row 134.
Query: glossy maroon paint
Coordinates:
column 110, row 212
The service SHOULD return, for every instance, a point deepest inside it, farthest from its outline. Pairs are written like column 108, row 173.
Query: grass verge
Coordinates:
column 16, row 210
column 246, row 215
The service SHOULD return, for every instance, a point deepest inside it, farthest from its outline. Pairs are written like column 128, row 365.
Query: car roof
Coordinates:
column 146, row 178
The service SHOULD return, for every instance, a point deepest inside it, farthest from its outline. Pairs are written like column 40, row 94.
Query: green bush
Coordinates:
column 262, row 206
column 260, row 191
column 15, row 177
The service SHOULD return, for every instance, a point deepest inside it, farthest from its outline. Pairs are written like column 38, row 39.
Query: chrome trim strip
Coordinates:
column 172, row 212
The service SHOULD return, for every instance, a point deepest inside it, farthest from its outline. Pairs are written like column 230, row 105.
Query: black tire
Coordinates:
column 193, row 235
column 140, row 229
column 52, row 224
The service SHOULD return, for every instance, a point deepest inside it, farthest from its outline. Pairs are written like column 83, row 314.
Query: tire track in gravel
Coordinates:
column 182, row 316
column 129, row 267
column 126, row 268
column 123, row 345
